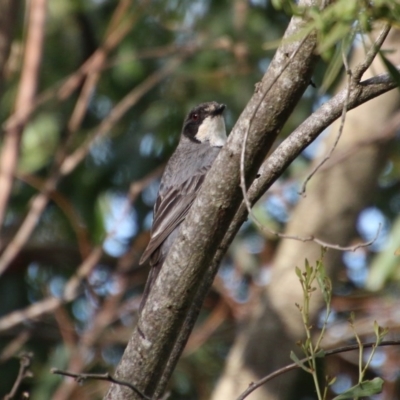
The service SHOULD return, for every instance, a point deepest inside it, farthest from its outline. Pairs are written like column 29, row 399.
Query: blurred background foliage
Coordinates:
column 170, row 55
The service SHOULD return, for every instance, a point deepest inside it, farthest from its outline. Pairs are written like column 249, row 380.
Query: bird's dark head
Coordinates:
column 205, row 123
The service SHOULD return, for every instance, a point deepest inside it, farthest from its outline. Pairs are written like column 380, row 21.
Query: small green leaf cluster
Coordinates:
column 311, row 280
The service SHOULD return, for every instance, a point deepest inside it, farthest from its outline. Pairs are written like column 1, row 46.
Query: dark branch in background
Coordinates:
column 24, row 372
column 100, row 377
column 253, row 386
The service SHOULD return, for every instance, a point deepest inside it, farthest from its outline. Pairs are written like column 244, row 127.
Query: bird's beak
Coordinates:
column 219, row 109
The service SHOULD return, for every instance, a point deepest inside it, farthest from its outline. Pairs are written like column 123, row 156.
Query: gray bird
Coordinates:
column 203, row 134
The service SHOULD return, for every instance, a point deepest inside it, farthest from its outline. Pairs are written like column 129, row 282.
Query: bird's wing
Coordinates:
column 171, row 209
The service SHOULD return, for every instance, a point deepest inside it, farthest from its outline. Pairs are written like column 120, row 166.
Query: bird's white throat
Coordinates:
column 212, row 129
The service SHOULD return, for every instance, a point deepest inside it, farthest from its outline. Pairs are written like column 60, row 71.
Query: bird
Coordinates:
column 202, row 137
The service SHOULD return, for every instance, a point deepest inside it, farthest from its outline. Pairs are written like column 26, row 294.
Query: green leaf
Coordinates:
column 320, row 354
column 39, row 141
column 366, row 388
column 298, row 362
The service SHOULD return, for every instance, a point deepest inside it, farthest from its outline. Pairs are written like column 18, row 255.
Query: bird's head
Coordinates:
column 205, row 123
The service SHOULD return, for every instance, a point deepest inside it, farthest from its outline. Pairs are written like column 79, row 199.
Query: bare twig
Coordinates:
column 325, row 244
column 100, row 377
column 359, row 70
column 291, row 147
column 255, row 385
column 36, row 209
column 24, row 372
column 353, row 79
column 14, row 346
column 65, row 205
column 302, row 192
column 25, row 96
column 387, row 133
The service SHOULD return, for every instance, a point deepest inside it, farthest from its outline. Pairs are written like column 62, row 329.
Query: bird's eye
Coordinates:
column 195, row 117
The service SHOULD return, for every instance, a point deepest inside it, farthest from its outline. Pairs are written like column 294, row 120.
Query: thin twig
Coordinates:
column 302, row 192
column 14, row 346
column 353, row 79
column 24, row 372
column 255, row 385
column 65, row 205
column 100, row 377
column 359, row 70
column 25, row 230
column 387, row 133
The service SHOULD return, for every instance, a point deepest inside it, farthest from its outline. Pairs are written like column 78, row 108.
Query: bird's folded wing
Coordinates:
column 171, row 209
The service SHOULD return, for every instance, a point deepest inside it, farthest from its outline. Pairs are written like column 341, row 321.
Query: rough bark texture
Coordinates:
column 334, row 198
column 164, row 313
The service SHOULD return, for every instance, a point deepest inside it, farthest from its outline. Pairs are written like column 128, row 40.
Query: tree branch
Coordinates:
column 26, row 93
column 184, row 277
column 164, row 313
column 25, row 361
column 100, row 377
column 270, row 171
column 254, row 385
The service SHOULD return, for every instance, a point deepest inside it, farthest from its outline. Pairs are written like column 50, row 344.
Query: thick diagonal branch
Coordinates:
column 162, row 318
